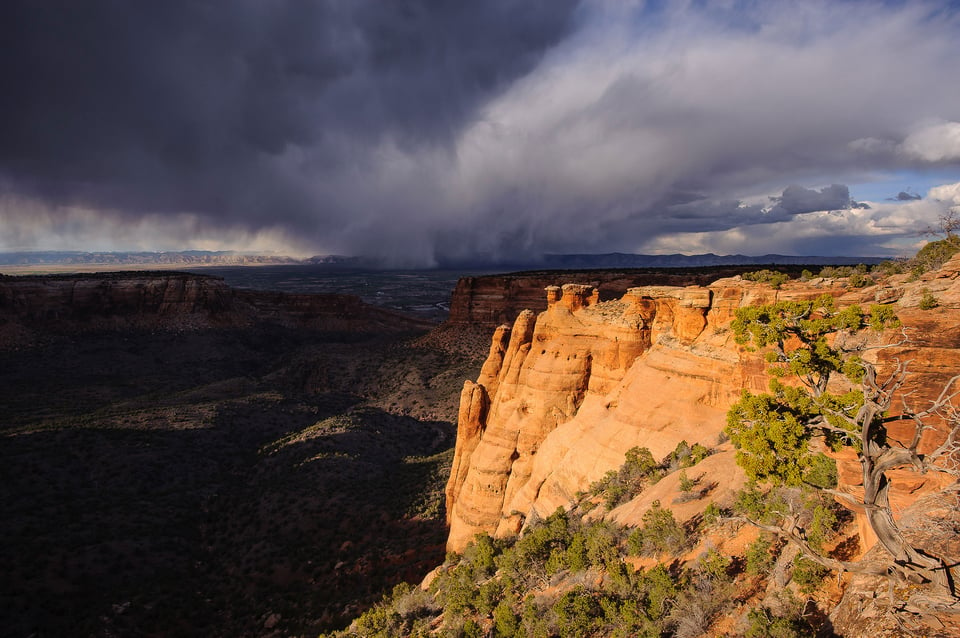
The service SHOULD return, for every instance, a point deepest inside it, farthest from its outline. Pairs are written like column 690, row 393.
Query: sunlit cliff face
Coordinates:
column 564, row 394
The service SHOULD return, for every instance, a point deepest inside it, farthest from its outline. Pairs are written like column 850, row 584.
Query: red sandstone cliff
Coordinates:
column 564, row 394
column 492, row 300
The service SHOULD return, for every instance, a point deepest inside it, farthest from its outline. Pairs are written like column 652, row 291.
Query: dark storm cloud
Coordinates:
column 423, row 130
column 202, row 106
column 904, row 196
column 703, row 214
column 797, row 199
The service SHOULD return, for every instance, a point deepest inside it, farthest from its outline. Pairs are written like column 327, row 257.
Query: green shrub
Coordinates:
column 773, row 277
column 471, row 629
column 763, row 624
column 660, row 533
column 927, row 300
column 883, row 316
column 396, row 614
column 577, row 557
column 711, row 515
column 488, row 596
column 578, row 611
column 715, row 565
column 822, row 471
column 698, row 453
column 807, row 574
column 823, row 525
column 859, row 280
column 533, row 621
column 506, row 624
column 685, row 455
column 758, row 505
column 890, row 267
column 759, row 558
column 686, row 483
column 619, row 486
column 480, row 555
column 934, row 254
column 660, row 590
column 380, row 621
column 457, row 590
column 603, row 544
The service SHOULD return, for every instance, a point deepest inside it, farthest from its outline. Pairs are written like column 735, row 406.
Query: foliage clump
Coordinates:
column 857, row 276
column 762, row 623
column 774, row 278
column 619, row 486
column 773, row 431
column 934, row 254
column 927, row 300
column 660, row 534
column 781, row 436
column 563, row 576
column 759, row 556
column 639, row 469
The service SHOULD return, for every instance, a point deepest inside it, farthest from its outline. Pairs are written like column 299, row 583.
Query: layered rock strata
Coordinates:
column 52, row 304
column 492, row 300
column 564, row 394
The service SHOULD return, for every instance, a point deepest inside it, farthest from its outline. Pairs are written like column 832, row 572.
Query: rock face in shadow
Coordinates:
column 180, row 458
column 172, row 300
column 564, row 394
column 80, row 297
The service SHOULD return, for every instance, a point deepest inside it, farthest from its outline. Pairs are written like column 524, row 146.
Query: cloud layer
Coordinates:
column 423, row 131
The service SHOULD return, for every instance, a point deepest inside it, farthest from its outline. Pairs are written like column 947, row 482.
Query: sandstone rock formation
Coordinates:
column 563, row 395
column 492, row 300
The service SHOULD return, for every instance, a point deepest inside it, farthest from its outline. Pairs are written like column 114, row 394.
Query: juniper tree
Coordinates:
column 778, row 434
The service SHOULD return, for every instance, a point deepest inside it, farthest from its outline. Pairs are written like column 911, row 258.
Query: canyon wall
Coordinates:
column 51, row 304
column 564, row 394
column 491, row 300
column 51, row 298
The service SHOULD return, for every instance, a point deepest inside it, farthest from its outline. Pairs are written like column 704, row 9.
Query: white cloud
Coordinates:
column 30, row 225
column 949, row 194
column 934, row 143
column 886, row 229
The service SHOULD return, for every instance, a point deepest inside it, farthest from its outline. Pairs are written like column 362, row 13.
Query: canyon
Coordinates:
column 175, row 300
column 292, row 456
column 183, row 458
column 564, row 394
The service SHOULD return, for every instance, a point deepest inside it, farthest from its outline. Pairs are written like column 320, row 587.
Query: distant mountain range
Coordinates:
column 626, row 260
column 583, row 261
column 178, row 258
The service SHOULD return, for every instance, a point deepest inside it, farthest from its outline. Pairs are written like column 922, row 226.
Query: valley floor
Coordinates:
column 218, row 482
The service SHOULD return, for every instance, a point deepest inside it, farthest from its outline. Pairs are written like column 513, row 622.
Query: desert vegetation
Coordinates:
column 782, row 436
column 569, row 575
column 639, row 469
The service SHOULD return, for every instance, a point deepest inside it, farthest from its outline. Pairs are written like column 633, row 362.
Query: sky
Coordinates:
column 429, row 131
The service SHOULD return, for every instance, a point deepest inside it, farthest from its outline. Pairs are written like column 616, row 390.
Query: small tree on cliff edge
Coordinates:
column 776, row 434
